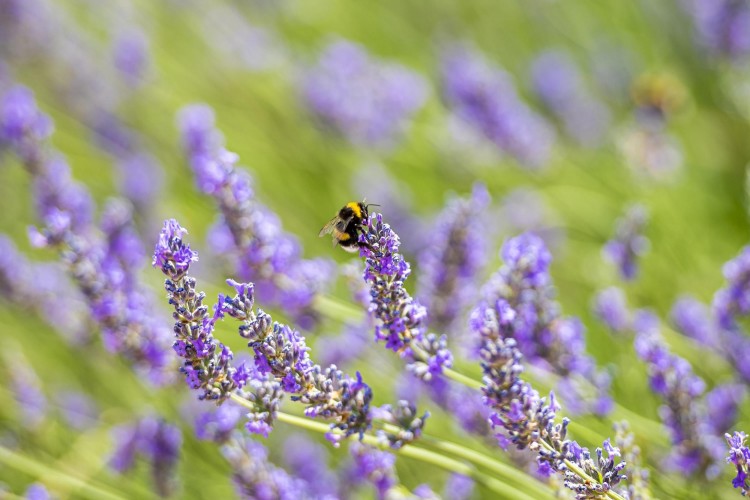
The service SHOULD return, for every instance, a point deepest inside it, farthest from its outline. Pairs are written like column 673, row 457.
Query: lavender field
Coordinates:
column 546, row 287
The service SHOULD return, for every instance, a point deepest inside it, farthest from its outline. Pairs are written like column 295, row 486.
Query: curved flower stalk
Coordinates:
column 367, row 101
column 545, row 337
column 402, row 319
column 739, row 456
column 526, row 420
column 484, row 97
column 452, row 259
column 558, row 83
column 281, row 356
column 264, row 253
column 104, row 267
column 628, row 243
column 694, row 428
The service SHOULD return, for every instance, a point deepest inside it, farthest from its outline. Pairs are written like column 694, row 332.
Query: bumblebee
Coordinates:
column 347, row 224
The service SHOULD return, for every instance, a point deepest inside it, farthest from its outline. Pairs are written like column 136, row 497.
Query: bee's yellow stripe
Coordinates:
column 355, row 208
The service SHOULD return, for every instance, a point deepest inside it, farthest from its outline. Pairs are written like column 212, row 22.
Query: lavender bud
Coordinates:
column 739, row 456
column 628, row 243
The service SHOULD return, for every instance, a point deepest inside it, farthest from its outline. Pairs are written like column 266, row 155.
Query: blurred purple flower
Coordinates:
column 610, row 306
column 130, row 55
column 452, row 259
column 308, row 459
column 374, row 466
column 558, row 83
column 693, row 319
column 153, row 439
column 37, row 491
column 78, row 409
column 369, row 102
column 628, row 243
column 26, row 388
column 733, row 300
column 722, row 26
column 265, row 254
column 458, row 487
column 484, row 97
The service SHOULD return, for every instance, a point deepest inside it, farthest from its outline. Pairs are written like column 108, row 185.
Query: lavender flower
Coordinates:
column 367, row 101
column 264, row 253
column 26, row 387
column 37, row 491
column 610, row 306
column 528, row 421
column 458, row 487
column 23, row 127
column 638, row 477
column 739, row 455
column 280, row 354
column 559, row 85
column 374, row 466
column 401, row 318
column 722, row 26
column 452, row 260
column 693, row 319
column 308, row 460
column 733, row 301
column 522, row 294
column 628, row 243
column 696, row 446
column 485, row 98
column 104, row 273
column 254, row 477
column 130, row 55
column 156, row 440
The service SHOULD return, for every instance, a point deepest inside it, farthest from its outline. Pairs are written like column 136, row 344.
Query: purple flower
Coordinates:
column 155, row 440
column 684, row 412
column 262, row 252
column 458, row 487
column 451, row 260
column 733, row 301
column 526, row 420
column 78, row 409
column 739, row 456
column 37, row 491
column 610, row 306
column 27, row 391
column 23, row 127
column 559, row 85
column 638, row 476
column 253, row 475
column 628, row 242
column 374, row 466
column 485, row 98
column 722, row 26
column 367, row 101
column 308, row 460
column 130, row 55
column 401, row 318
column 693, row 319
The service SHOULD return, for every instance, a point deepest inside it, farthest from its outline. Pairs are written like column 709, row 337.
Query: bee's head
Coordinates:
column 365, row 208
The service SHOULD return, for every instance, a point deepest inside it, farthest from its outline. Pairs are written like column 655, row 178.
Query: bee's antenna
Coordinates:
column 372, row 205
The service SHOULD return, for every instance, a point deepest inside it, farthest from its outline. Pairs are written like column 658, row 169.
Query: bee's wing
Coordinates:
column 329, row 227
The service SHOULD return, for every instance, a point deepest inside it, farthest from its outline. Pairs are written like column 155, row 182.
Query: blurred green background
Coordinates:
column 698, row 218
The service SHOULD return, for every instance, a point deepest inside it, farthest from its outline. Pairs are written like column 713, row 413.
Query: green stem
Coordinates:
column 54, row 477
column 411, row 451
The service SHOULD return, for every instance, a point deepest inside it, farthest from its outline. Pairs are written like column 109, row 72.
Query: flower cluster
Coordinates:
column 367, row 101
column 103, row 266
column 739, row 456
column 526, row 420
column 628, row 243
column 450, row 263
column 694, row 430
column 558, row 83
column 610, row 306
column 264, row 253
column 638, row 477
column 733, row 301
column 401, row 318
column 518, row 303
column 375, row 466
column 281, row 358
column 155, row 439
column 484, row 97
